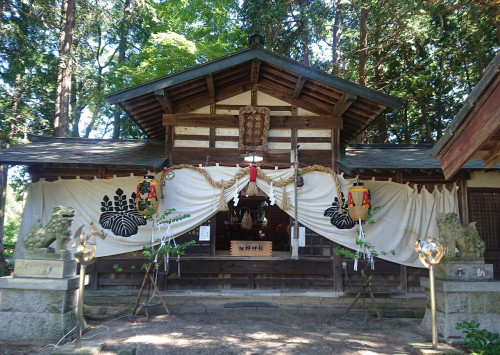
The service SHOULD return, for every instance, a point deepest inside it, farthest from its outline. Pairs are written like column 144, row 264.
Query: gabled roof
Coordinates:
column 252, row 68
column 80, row 151
column 474, row 133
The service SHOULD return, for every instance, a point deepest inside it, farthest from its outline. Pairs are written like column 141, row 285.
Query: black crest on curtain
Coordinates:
column 341, row 221
column 120, row 215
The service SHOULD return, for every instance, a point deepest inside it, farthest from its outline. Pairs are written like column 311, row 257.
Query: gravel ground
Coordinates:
column 247, row 331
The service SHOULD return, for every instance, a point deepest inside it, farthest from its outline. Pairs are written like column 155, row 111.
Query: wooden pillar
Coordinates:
column 169, row 142
column 403, row 279
column 463, row 201
column 335, row 149
column 338, row 284
column 213, row 234
column 253, row 99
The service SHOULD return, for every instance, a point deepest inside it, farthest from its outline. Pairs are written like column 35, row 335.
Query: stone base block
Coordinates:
column 44, row 327
column 37, row 309
column 460, row 271
column 54, row 269
column 457, row 301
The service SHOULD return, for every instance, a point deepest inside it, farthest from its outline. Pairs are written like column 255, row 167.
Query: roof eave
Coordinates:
column 244, row 56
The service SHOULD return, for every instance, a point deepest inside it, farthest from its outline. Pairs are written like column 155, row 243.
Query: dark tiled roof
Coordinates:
column 80, row 151
column 394, row 156
column 141, row 153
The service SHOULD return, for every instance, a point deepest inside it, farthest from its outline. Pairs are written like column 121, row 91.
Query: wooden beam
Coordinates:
column 254, row 72
column 346, row 100
column 164, row 100
column 492, row 158
column 210, row 84
column 298, row 86
column 232, row 121
column 194, row 155
column 237, row 107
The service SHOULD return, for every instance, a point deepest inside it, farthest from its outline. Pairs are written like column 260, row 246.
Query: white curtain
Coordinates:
column 405, row 214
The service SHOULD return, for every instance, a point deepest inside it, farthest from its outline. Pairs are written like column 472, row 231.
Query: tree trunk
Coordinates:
column 77, row 108
column 122, row 49
column 363, row 57
column 337, row 32
column 363, row 50
column 4, row 169
column 65, row 71
column 94, row 118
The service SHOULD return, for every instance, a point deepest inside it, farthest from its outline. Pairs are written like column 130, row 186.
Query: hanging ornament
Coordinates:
column 222, row 201
column 147, row 196
column 252, row 185
column 358, row 201
column 272, row 199
column 246, row 221
column 285, row 201
column 236, row 193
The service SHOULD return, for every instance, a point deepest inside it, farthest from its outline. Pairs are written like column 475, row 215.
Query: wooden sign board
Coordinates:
column 251, row 248
column 254, row 128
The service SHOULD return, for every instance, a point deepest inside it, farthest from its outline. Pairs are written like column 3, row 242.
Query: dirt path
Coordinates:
column 248, row 331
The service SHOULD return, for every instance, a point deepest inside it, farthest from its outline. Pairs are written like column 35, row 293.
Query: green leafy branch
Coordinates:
column 363, row 245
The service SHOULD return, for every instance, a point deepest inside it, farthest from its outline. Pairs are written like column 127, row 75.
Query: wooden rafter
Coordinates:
column 210, row 85
column 164, row 100
column 346, row 100
column 232, row 121
column 298, row 86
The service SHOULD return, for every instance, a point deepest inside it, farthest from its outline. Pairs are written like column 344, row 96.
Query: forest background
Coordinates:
column 58, row 58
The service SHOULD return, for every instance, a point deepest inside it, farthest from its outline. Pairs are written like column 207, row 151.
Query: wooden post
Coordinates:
column 338, row 284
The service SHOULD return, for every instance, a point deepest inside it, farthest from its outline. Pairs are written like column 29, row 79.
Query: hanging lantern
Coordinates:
column 147, row 195
column 358, row 199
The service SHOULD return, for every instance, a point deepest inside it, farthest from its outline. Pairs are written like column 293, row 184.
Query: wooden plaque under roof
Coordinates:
column 254, row 128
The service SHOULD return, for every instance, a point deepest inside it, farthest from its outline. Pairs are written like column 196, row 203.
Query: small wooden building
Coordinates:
column 197, row 118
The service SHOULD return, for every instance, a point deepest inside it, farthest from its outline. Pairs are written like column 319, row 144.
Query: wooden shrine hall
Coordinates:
column 250, row 104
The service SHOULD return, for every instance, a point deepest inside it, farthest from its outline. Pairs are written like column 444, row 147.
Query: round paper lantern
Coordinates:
column 358, row 199
column 147, row 195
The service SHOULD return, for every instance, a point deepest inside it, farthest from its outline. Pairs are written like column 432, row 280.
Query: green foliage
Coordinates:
column 151, row 253
column 117, row 268
column 164, row 217
column 479, row 341
column 363, row 245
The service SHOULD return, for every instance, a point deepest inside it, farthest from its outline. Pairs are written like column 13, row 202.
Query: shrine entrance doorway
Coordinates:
column 253, row 220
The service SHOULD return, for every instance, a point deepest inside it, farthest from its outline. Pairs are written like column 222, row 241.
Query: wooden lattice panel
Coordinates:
column 484, row 208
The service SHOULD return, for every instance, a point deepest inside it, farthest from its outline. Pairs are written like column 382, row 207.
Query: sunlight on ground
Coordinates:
column 262, row 335
column 165, row 339
column 298, row 340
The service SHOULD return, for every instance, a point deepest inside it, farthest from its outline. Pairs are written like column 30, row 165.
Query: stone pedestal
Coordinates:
column 39, row 303
column 464, row 291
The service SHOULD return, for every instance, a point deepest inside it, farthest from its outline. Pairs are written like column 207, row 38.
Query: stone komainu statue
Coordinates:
column 452, row 234
column 58, row 229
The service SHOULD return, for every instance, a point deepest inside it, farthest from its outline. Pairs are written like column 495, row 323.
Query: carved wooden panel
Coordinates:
column 254, row 128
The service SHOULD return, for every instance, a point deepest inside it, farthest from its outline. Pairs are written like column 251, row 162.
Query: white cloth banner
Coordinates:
column 405, row 214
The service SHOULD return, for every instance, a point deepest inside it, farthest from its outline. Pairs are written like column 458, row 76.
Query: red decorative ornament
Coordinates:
column 252, row 185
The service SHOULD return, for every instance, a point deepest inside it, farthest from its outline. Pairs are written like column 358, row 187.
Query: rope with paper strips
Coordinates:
column 222, row 185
